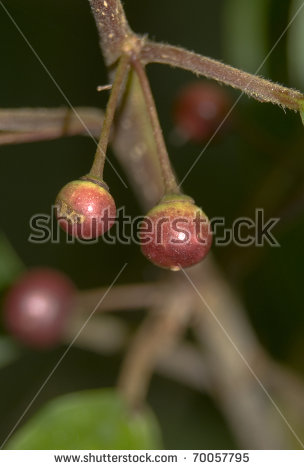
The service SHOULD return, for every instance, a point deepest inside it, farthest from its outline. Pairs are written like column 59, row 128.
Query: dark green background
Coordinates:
column 225, row 183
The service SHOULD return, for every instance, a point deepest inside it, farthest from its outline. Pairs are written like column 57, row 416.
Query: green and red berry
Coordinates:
column 85, row 208
column 176, row 233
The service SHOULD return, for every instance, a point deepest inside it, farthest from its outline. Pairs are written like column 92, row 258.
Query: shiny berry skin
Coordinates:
column 199, row 110
column 37, row 307
column 85, row 209
column 175, row 233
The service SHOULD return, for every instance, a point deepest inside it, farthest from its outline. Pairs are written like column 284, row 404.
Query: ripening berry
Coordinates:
column 199, row 110
column 85, row 209
column 175, row 233
column 37, row 306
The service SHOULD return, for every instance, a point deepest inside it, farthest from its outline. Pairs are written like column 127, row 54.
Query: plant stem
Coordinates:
column 170, row 182
column 112, row 27
column 252, row 85
column 38, row 124
column 157, row 335
column 100, row 155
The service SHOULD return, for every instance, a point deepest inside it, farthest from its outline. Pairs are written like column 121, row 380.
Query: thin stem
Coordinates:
column 252, row 85
column 170, row 182
column 100, row 155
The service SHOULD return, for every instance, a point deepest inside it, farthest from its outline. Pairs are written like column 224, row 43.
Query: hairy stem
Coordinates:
column 252, row 85
column 170, row 182
column 100, row 155
column 112, row 27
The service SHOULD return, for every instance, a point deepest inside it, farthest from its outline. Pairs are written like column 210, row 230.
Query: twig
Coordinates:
column 287, row 385
column 108, row 335
column 183, row 362
column 234, row 355
column 112, row 27
column 33, row 125
column 103, row 334
column 252, row 85
column 218, row 370
column 156, row 335
column 126, row 297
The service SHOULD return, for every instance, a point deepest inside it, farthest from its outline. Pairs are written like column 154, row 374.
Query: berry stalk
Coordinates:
column 170, row 183
column 96, row 171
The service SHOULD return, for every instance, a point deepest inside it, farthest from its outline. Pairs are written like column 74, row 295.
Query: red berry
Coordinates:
column 199, row 110
column 85, row 209
column 37, row 307
column 175, row 233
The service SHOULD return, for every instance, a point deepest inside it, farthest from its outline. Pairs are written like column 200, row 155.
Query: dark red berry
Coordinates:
column 37, row 307
column 175, row 233
column 85, row 209
column 199, row 110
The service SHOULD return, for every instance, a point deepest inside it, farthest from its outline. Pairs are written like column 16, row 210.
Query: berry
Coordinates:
column 199, row 110
column 175, row 233
column 37, row 307
column 85, row 208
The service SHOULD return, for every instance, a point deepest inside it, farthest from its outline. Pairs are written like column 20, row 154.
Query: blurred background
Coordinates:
column 257, row 163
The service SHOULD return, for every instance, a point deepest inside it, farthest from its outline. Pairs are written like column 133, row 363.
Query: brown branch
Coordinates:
column 183, row 362
column 108, row 335
column 157, row 334
column 33, row 125
column 252, row 85
column 217, row 370
column 112, row 27
column 126, row 297
column 103, row 334
column 235, row 358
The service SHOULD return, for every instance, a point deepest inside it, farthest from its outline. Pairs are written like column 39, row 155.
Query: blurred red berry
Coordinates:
column 175, row 233
column 37, row 307
column 85, row 209
column 199, row 109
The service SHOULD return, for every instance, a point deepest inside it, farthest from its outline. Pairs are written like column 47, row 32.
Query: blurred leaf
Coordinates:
column 245, row 33
column 302, row 114
column 92, row 419
column 10, row 263
column 295, row 45
column 8, row 351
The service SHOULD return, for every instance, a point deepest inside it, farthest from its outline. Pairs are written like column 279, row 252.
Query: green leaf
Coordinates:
column 295, row 43
column 10, row 264
column 302, row 114
column 245, row 29
column 92, row 419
